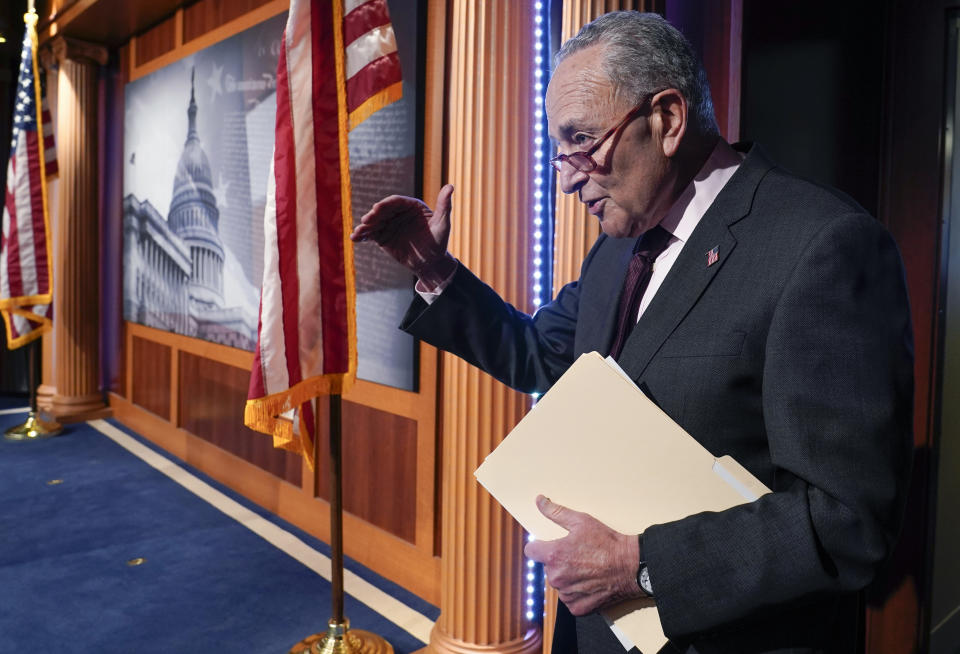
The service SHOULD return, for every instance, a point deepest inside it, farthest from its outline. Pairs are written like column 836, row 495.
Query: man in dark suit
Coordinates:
column 765, row 314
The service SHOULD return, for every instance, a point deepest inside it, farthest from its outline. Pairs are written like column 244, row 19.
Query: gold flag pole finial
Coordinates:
column 31, row 18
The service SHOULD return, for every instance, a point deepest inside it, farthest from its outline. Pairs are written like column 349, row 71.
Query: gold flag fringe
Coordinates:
column 264, row 414
column 375, row 103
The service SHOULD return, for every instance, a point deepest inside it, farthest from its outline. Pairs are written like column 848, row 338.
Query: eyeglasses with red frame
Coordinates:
column 583, row 161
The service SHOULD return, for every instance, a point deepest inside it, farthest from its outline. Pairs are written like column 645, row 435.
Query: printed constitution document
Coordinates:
column 595, row 443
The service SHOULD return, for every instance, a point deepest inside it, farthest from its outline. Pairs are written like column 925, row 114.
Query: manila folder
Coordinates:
column 595, row 443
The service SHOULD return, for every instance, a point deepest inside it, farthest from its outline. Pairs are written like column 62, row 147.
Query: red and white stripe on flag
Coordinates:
column 26, row 277
column 51, row 167
column 372, row 66
column 306, row 345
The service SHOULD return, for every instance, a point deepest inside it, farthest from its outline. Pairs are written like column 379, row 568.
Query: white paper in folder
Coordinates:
column 602, row 447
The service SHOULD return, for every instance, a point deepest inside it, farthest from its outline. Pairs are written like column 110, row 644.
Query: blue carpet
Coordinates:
column 208, row 583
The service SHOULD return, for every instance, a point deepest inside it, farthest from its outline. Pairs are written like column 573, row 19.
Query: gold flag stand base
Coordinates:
column 340, row 639
column 33, row 429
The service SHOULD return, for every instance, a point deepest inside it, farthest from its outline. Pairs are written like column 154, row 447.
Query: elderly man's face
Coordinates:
column 627, row 190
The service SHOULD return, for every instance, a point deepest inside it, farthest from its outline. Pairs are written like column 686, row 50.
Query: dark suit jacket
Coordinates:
column 792, row 353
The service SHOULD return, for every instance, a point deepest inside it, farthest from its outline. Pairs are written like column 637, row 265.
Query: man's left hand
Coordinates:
column 592, row 566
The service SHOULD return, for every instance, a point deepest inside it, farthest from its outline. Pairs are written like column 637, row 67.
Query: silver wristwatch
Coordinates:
column 643, row 576
column 643, row 579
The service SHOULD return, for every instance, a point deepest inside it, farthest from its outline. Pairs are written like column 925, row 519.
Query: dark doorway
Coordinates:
column 812, row 89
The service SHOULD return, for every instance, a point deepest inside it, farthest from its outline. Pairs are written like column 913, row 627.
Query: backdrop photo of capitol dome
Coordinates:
column 198, row 140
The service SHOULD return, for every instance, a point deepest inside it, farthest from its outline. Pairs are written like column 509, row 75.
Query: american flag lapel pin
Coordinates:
column 713, row 255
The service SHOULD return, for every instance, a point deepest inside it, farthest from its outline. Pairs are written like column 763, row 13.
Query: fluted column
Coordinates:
column 576, row 230
column 76, row 306
column 46, row 390
column 490, row 159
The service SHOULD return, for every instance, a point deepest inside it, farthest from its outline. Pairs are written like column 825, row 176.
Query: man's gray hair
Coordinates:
column 645, row 54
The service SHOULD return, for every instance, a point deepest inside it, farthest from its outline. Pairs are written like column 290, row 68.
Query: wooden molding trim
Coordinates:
column 409, row 404
column 50, row 27
column 178, row 29
column 128, row 361
column 230, row 356
column 174, row 386
column 734, row 12
column 64, row 48
column 225, row 31
column 434, row 118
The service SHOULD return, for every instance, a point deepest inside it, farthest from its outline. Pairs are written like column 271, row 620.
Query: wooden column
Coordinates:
column 490, row 160
column 76, row 306
column 46, row 389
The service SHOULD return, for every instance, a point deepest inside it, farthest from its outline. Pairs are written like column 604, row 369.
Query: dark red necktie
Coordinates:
column 648, row 248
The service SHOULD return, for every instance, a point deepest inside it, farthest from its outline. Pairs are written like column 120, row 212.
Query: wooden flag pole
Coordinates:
column 339, row 637
column 336, row 508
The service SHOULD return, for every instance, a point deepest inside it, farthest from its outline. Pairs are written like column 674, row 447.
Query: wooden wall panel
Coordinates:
column 156, row 41
column 715, row 29
column 379, row 468
column 898, row 609
column 151, row 376
column 207, row 15
column 212, row 397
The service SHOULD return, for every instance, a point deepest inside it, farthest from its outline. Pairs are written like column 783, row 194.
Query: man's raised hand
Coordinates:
column 412, row 233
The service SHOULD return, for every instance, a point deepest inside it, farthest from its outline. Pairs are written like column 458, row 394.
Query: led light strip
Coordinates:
column 542, row 240
column 540, row 217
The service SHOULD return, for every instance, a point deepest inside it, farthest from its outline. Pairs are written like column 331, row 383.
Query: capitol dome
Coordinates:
column 193, row 181
column 194, row 217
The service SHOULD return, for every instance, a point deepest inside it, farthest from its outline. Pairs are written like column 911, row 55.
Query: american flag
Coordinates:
column 338, row 65
column 713, row 255
column 373, row 65
column 26, row 275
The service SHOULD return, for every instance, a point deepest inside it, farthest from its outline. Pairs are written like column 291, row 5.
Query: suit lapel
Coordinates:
column 610, row 272
column 683, row 286
column 691, row 273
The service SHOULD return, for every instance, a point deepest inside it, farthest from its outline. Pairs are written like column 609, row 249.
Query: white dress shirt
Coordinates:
column 689, row 208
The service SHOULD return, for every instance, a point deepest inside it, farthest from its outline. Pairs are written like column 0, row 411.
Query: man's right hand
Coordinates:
column 413, row 234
